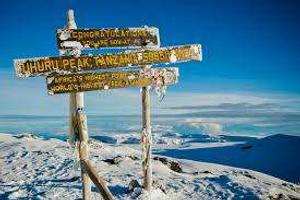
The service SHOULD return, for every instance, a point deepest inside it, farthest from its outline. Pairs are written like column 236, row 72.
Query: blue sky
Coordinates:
column 251, row 48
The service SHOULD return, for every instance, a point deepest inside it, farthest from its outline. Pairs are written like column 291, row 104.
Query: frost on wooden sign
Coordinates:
column 110, row 80
column 108, row 38
column 65, row 64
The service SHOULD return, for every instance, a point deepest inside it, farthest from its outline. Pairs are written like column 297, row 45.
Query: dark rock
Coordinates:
column 161, row 186
column 38, row 152
column 133, row 157
column 132, row 185
column 73, row 179
column 277, row 196
column 293, row 197
column 203, row 172
column 195, row 173
column 66, row 180
column 290, row 186
column 247, row 174
column 113, row 161
column 25, row 135
column 171, row 164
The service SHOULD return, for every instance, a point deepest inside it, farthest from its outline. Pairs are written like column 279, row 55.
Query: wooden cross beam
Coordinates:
column 58, row 84
column 64, row 64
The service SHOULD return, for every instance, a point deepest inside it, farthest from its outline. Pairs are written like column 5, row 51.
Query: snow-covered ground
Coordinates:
column 37, row 168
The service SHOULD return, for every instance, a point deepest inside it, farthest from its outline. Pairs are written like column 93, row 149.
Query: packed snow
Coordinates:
column 39, row 168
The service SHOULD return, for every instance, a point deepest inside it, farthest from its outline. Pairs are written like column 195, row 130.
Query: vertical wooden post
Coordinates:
column 76, row 105
column 147, row 138
column 84, row 153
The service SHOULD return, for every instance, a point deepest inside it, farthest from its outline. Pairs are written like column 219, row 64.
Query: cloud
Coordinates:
column 272, row 109
column 199, row 125
column 29, row 97
column 229, row 106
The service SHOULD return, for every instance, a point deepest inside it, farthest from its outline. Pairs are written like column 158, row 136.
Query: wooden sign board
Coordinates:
column 108, row 38
column 63, row 64
column 110, row 80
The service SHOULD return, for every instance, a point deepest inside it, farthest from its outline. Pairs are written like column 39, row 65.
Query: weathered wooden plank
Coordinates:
column 84, row 153
column 97, row 180
column 146, row 136
column 63, row 64
column 108, row 38
column 110, row 80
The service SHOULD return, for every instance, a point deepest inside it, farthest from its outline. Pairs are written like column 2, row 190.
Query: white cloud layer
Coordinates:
column 24, row 97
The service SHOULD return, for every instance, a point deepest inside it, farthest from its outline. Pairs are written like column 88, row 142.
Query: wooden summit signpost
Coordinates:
column 48, row 65
column 65, row 75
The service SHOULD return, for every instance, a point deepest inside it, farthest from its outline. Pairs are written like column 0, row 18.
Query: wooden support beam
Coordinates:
column 147, row 138
column 97, row 180
column 77, row 104
column 84, row 153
